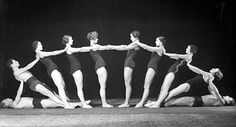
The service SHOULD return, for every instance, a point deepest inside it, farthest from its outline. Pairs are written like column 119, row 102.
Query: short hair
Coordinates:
column 9, row 63
column 35, row 44
column 193, row 49
column 163, row 40
column 65, row 39
column 92, row 35
column 230, row 103
column 135, row 33
column 218, row 74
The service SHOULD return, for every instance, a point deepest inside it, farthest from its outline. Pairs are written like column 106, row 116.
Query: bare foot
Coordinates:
column 86, row 106
column 68, row 107
column 123, row 105
column 155, row 106
column 149, row 103
column 139, row 105
column 107, row 105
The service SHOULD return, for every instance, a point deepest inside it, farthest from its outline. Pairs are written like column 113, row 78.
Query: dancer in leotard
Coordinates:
column 184, row 95
column 172, row 71
column 99, row 66
column 52, row 69
column 75, row 67
column 24, row 75
column 129, row 63
column 156, row 55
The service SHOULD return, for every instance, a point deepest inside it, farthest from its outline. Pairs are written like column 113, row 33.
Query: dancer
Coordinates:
column 129, row 64
column 172, row 71
column 99, row 66
column 202, row 80
column 76, row 67
column 52, row 69
column 23, row 75
column 156, row 55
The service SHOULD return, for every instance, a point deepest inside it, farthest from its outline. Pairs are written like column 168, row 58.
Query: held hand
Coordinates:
column 95, row 47
column 37, row 56
column 189, row 59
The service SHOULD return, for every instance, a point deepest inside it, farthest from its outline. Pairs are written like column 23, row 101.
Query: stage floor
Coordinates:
column 116, row 117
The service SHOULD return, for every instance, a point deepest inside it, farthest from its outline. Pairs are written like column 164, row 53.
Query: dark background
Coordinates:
column 207, row 24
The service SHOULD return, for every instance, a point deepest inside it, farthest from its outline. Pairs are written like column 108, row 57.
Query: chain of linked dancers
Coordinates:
column 166, row 98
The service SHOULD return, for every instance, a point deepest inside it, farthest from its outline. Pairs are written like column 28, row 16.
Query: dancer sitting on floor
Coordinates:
column 156, row 55
column 202, row 80
column 172, row 71
column 23, row 75
column 52, row 69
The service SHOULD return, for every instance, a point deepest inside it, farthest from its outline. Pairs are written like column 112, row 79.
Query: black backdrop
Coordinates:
column 207, row 24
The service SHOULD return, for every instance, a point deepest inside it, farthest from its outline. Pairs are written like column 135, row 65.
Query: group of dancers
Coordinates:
column 166, row 98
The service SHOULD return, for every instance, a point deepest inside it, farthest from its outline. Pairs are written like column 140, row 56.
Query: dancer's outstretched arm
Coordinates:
column 149, row 48
column 50, row 53
column 29, row 66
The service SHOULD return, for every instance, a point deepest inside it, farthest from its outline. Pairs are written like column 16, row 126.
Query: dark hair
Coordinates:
column 92, row 35
column 218, row 74
column 135, row 33
column 9, row 63
column 65, row 39
column 35, row 44
column 193, row 49
column 163, row 40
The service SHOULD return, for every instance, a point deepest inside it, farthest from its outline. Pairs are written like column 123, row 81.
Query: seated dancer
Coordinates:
column 23, row 75
column 99, row 65
column 172, row 71
column 156, row 55
column 202, row 80
column 76, row 67
column 129, row 64
column 52, row 69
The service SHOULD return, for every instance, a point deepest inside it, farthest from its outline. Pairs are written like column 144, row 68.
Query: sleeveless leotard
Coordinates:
column 155, row 58
column 99, row 62
column 130, row 56
column 74, row 63
column 51, row 66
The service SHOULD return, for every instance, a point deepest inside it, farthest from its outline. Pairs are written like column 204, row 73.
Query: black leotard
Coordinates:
column 33, row 82
column 198, row 86
column 37, row 103
column 99, row 62
column 175, row 67
column 51, row 66
column 130, row 56
column 155, row 58
column 74, row 63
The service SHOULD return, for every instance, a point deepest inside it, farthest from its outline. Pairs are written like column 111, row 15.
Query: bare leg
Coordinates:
column 78, row 78
column 178, row 90
column 182, row 101
column 59, row 82
column 164, row 89
column 43, row 90
column 48, row 103
column 147, row 83
column 128, row 89
column 102, row 78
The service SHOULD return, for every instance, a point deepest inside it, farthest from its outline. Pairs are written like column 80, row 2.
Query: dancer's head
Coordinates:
column 134, row 35
column 216, row 72
column 7, row 103
column 37, row 45
column 191, row 49
column 229, row 101
column 160, row 41
column 67, row 39
column 12, row 63
column 92, row 37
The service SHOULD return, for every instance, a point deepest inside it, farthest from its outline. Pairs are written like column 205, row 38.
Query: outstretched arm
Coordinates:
column 149, row 48
column 19, row 93
column 215, row 92
column 50, row 53
column 197, row 70
column 179, row 56
column 29, row 66
column 82, row 49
